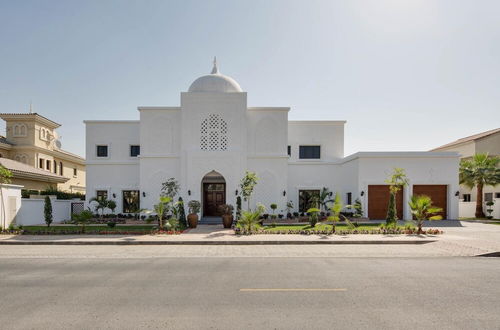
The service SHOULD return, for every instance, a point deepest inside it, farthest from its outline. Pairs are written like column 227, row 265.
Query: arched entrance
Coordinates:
column 213, row 187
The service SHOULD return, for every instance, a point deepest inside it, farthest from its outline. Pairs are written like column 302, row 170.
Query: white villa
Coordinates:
column 210, row 140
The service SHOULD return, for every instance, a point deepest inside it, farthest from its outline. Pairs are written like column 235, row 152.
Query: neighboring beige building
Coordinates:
column 485, row 142
column 31, row 139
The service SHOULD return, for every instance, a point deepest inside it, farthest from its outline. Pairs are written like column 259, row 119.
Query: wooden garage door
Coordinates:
column 437, row 192
column 378, row 202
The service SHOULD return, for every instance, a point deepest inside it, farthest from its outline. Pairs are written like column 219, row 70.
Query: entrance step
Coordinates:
column 210, row 221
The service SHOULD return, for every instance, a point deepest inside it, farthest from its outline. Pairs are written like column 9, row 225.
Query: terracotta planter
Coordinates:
column 227, row 220
column 192, row 220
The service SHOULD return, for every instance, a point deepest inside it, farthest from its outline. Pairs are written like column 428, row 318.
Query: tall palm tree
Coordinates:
column 480, row 171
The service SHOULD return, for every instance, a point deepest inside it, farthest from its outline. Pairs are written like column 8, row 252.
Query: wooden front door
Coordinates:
column 214, row 195
column 378, row 202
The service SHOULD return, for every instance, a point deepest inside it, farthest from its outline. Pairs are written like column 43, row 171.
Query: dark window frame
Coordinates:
column 289, row 151
column 41, row 162
column 349, row 198
column 310, row 152
column 127, row 205
column 61, row 168
column 306, row 200
column 75, row 171
column 101, row 194
column 467, row 197
column 102, row 151
column 47, row 165
column 135, row 150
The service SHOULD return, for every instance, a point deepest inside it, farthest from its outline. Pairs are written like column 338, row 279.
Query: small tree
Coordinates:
column 238, row 208
column 182, row 213
column 422, row 209
column 396, row 181
column 170, row 188
column 358, row 208
column 47, row 211
column 112, row 206
column 273, row 207
column 82, row 219
column 247, row 186
column 335, row 209
column 161, row 209
column 101, row 204
column 313, row 216
column 250, row 220
column 480, row 171
column 324, row 198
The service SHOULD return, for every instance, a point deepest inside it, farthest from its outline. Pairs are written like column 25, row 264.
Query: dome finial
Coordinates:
column 215, row 70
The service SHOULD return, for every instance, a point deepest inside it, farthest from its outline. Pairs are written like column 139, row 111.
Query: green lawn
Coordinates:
column 321, row 227
column 136, row 229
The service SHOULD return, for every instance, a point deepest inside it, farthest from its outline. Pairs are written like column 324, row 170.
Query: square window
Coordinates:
column 466, row 197
column 101, row 195
column 309, row 152
column 488, row 197
column 102, row 151
column 497, row 195
column 135, row 151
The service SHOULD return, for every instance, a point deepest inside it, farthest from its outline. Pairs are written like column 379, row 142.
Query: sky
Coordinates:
column 406, row 75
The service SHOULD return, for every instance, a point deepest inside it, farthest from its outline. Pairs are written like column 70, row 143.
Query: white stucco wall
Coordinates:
column 32, row 211
column 420, row 168
column 9, row 208
column 119, row 171
column 328, row 134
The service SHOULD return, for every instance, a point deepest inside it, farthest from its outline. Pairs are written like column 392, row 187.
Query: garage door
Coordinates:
column 437, row 192
column 378, row 201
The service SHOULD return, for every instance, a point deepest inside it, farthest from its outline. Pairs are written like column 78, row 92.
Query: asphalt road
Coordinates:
column 250, row 293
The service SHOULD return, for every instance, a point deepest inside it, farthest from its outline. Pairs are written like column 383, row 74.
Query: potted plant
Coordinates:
column 194, row 208
column 489, row 209
column 227, row 215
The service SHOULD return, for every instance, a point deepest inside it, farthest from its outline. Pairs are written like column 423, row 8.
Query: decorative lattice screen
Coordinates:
column 213, row 133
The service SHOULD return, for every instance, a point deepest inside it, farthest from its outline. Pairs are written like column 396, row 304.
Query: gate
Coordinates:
column 77, row 207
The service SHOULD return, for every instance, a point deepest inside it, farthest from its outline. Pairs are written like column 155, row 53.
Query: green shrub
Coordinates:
column 111, row 224
column 47, row 210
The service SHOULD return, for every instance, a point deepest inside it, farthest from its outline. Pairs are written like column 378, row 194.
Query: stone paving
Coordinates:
column 461, row 238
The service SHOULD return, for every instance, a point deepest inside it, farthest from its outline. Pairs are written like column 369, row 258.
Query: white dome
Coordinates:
column 215, row 82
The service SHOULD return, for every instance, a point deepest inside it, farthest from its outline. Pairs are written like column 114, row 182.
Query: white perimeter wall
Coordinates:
column 468, row 209
column 9, row 208
column 31, row 212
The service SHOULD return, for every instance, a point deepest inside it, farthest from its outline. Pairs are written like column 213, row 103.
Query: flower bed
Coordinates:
column 343, row 231
column 91, row 230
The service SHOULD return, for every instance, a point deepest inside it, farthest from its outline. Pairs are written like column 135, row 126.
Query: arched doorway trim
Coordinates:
column 213, row 187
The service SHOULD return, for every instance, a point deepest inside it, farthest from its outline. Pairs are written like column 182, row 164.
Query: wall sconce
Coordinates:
column 457, row 193
column 330, row 193
column 114, row 195
column 189, row 192
column 236, row 192
column 284, row 192
column 362, row 193
column 143, row 194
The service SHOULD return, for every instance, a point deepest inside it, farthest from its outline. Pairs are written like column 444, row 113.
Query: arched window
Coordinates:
column 213, row 133
column 19, row 130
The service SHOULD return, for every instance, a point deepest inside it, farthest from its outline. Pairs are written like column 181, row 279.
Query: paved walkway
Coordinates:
column 461, row 238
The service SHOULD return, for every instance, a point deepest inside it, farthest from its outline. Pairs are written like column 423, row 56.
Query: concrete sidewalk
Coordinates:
column 462, row 235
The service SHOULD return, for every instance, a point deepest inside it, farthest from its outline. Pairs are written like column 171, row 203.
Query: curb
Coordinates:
column 380, row 242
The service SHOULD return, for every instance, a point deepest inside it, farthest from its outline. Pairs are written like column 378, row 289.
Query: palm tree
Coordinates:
column 250, row 220
column 102, row 204
column 422, row 209
column 324, row 198
column 336, row 208
column 480, row 171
